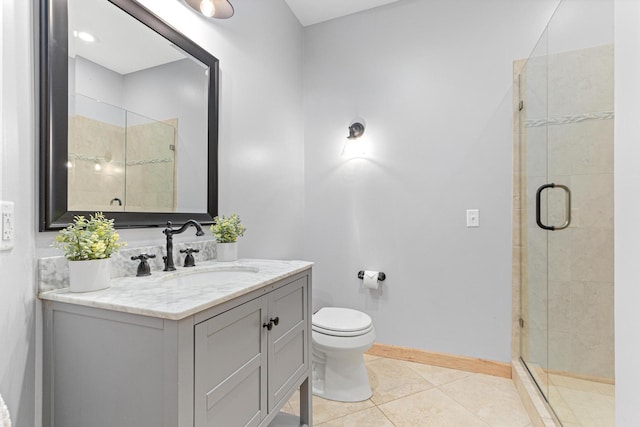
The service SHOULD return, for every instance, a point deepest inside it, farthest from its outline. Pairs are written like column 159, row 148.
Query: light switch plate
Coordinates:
column 7, row 232
column 473, row 218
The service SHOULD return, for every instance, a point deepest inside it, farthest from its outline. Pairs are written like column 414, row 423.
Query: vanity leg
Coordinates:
column 305, row 403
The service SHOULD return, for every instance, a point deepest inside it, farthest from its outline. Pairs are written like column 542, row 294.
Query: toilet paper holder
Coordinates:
column 381, row 275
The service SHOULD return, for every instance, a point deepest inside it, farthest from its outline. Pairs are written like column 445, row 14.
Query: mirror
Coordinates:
column 129, row 117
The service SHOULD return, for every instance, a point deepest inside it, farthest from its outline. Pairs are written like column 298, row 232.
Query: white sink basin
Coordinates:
column 213, row 276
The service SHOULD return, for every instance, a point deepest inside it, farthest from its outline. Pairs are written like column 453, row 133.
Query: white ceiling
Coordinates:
column 121, row 38
column 311, row 12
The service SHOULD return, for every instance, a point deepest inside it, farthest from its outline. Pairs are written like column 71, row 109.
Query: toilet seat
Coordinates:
column 341, row 322
column 341, row 334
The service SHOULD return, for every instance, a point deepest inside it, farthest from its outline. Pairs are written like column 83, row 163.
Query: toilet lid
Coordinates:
column 340, row 320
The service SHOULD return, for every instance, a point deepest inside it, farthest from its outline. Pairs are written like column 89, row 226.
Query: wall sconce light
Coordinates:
column 355, row 130
column 221, row 9
column 354, row 146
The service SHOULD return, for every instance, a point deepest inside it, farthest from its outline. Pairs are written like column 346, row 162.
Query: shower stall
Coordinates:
column 563, row 214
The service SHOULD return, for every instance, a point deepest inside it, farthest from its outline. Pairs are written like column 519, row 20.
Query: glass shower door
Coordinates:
column 533, row 86
column 566, row 136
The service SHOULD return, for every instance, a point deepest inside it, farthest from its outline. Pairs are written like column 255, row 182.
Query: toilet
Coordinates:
column 340, row 336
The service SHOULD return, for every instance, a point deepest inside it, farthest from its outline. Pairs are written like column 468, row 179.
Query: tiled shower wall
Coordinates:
column 150, row 184
column 136, row 166
column 566, row 137
column 92, row 142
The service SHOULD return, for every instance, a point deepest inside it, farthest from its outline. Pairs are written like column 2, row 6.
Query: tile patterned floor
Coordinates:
column 412, row 394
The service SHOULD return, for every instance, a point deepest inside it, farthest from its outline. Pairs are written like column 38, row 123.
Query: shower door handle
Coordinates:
column 568, row 207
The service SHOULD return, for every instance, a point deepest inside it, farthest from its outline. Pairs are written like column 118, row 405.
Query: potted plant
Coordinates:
column 226, row 231
column 88, row 245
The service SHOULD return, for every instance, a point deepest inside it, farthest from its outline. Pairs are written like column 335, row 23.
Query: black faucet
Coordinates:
column 169, row 232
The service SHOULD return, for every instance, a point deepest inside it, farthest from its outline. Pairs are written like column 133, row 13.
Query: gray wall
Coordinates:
column 433, row 81
column 93, row 80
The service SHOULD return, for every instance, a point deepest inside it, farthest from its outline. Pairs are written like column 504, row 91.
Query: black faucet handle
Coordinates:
column 189, row 260
column 189, row 251
column 143, row 267
column 143, row 257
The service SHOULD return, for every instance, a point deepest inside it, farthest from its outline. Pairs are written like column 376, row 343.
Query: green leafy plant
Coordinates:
column 86, row 239
column 227, row 230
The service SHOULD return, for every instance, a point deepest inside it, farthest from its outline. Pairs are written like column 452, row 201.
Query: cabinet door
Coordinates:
column 288, row 344
column 230, row 367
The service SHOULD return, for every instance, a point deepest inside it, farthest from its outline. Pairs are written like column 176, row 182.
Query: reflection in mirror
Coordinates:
column 129, row 116
column 120, row 161
column 132, row 115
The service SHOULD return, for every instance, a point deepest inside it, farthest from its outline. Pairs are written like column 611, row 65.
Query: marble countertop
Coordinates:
column 172, row 295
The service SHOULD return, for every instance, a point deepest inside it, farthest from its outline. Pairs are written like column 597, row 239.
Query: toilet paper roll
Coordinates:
column 370, row 279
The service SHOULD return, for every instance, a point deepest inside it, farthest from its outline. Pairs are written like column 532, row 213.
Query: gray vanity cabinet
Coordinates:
column 219, row 367
column 248, row 359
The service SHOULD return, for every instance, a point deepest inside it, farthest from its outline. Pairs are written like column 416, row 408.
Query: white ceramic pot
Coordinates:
column 227, row 251
column 90, row 275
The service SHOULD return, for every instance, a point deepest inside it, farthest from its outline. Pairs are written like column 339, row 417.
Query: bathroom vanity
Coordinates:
column 221, row 344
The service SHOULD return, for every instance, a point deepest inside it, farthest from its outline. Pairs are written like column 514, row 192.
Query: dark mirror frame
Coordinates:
column 53, row 118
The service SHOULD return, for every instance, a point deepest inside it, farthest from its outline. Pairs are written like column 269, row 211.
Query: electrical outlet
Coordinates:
column 7, row 220
column 473, row 218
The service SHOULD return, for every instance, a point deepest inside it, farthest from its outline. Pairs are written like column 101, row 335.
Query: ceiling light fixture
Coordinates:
column 220, row 9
